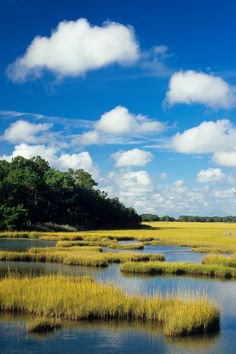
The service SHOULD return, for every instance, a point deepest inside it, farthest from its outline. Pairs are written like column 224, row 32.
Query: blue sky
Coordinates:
column 142, row 94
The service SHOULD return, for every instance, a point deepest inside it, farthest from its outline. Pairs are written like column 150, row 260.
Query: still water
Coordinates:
column 23, row 244
column 127, row 338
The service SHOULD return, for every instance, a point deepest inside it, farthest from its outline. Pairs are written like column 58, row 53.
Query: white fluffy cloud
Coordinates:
column 210, row 175
column 217, row 138
column 29, row 151
column 208, row 137
column 81, row 160
column 54, row 157
column 132, row 187
column 76, row 47
column 196, row 87
column 227, row 158
column 89, row 138
column 119, row 122
column 23, row 131
column 134, row 157
column 139, row 190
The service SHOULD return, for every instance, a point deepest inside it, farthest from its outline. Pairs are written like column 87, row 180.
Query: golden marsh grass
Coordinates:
column 176, row 268
column 77, row 256
column 62, row 297
column 207, row 236
column 220, row 260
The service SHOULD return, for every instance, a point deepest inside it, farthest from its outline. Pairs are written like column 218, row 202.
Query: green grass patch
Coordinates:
column 220, row 260
column 77, row 256
column 131, row 246
column 84, row 243
column 80, row 298
column 174, row 268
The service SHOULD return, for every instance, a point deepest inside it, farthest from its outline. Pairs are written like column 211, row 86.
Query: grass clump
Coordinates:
column 84, row 243
column 62, row 297
column 174, row 268
column 131, row 246
column 220, row 260
column 43, row 325
column 65, row 249
column 121, row 257
column 90, row 259
column 77, row 256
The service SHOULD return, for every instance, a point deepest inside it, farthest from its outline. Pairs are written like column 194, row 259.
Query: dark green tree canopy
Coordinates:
column 31, row 192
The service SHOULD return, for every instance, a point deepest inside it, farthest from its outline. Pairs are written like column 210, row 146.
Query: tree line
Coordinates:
column 33, row 193
column 188, row 218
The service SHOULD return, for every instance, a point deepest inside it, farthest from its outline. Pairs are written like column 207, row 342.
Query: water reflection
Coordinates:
column 98, row 337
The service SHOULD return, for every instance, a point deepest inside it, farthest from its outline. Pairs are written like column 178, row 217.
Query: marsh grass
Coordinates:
column 77, row 256
column 80, row 298
column 211, row 250
column 43, row 325
column 131, row 246
column 84, row 243
column 103, row 242
column 174, row 268
column 65, row 249
column 202, row 237
column 220, row 260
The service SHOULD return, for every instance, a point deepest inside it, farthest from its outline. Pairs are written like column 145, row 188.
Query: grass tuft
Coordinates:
column 174, row 268
column 220, row 260
column 131, row 246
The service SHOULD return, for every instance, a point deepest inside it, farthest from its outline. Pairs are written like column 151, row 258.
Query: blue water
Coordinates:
column 127, row 338
column 171, row 253
column 23, row 244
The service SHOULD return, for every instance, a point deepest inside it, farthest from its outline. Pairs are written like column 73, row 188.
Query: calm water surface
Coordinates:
column 127, row 338
column 23, row 244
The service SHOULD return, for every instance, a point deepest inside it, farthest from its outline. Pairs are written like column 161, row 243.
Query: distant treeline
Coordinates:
column 32, row 193
column 188, row 218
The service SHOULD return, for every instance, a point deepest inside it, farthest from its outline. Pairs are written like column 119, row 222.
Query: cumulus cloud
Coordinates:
column 132, row 187
column 216, row 138
column 134, row 157
column 29, row 151
column 208, row 137
column 23, row 131
column 90, row 138
column 226, row 158
column 119, row 122
column 76, row 47
column 210, row 175
column 81, row 160
column 139, row 190
column 56, row 159
column 188, row 87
